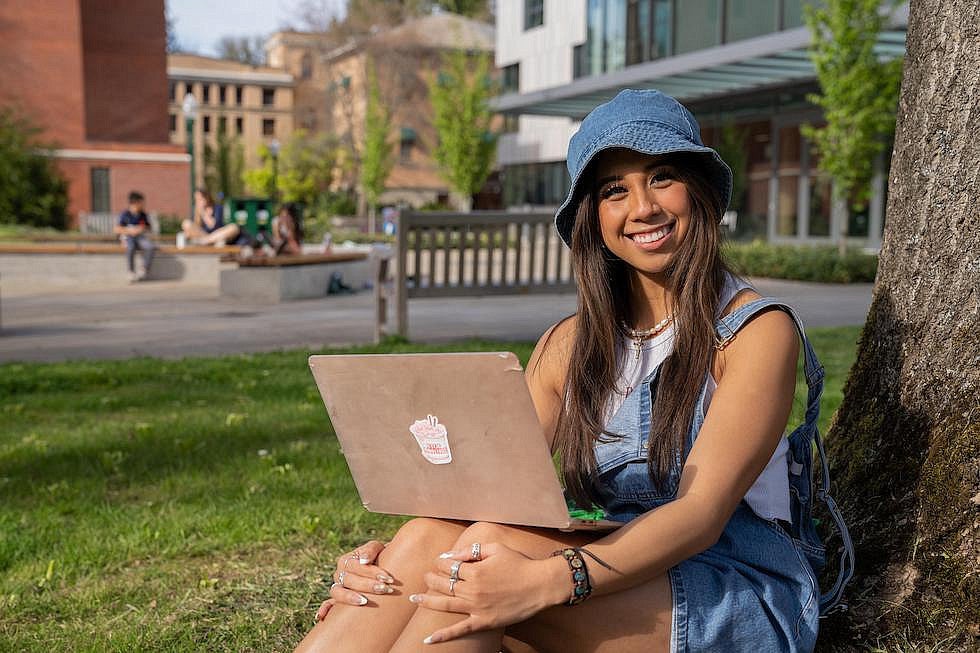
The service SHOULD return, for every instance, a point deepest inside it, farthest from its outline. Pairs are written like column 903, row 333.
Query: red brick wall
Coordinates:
column 125, row 64
column 41, row 66
column 165, row 185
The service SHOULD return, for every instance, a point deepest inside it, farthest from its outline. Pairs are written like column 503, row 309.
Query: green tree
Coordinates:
column 223, row 166
column 858, row 94
column 376, row 159
column 466, row 147
column 32, row 192
column 306, row 166
column 303, row 171
column 261, row 181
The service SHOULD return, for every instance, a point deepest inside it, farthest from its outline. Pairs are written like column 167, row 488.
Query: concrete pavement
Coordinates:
column 175, row 319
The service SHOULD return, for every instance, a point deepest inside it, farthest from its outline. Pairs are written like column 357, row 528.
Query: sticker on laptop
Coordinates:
column 433, row 440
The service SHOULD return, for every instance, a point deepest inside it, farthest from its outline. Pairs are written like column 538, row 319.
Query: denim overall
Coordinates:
column 756, row 588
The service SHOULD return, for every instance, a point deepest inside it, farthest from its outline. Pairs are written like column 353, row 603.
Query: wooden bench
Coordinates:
column 477, row 254
column 273, row 279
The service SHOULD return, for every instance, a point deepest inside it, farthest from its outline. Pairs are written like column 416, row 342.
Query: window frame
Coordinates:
column 533, row 14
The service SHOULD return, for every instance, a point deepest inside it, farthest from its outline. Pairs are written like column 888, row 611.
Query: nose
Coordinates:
column 644, row 204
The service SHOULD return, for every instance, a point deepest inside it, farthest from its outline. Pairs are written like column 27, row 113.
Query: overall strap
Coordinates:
column 726, row 328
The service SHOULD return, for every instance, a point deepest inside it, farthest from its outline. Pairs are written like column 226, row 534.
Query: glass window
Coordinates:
column 173, row 122
column 662, row 29
column 696, row 25
column 306, row 66
column 206, row 93
column 820, row 205
column 268, row 127
column 511, row 123
column 615, row 35
column 540, row 184
column 596, row 39
column 747, row 18
column 239, row 126
column 206, row 124
column 238, row 95
column 510, row 78
column 99, row 178
column 222, row 125
column 787, row 205
column 172, row 91
column 222, row 94
column 793, row 12
column 533, row 13
column 268, row 97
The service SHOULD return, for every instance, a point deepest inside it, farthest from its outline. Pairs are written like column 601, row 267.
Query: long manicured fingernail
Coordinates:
column 381, row 588
column 415, row 598
column 385, row 578
column 447, row 554
column 429, row 640
column 362, row 600
column 363, row 560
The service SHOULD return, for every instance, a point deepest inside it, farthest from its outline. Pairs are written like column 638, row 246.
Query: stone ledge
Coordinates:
column 107, row 248
column 274, row 284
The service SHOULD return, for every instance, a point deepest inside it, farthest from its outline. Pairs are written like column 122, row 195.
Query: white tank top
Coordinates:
column 769, row 495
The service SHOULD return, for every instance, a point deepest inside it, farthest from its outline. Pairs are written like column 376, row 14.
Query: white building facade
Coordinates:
column 742, row 68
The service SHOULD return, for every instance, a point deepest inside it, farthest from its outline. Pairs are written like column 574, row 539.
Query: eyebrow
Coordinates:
column 647, row 168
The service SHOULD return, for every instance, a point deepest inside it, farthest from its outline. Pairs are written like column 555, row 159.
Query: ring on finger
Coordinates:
column 454, row 570
column 475, row 551
column 452, row 585
column 340, row 578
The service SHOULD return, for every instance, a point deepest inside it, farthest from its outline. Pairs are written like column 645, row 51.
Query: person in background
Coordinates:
column 287, row 233
column 134, row 230
column 207, row 226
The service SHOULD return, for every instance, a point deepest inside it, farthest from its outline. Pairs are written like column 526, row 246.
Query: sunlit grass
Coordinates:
column 187, row 505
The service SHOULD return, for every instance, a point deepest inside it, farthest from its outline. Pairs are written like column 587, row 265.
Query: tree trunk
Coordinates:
column 905, row 443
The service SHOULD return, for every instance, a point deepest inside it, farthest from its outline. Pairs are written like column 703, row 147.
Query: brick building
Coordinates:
column 251, row 104
column 93, row 76
column 331, row 92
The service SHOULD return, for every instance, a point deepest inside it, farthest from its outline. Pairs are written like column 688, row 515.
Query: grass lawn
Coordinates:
column 188, row 505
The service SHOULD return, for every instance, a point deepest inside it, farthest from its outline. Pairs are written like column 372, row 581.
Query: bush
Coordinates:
column 33, row 192
column 801, row 263
column 169, row 224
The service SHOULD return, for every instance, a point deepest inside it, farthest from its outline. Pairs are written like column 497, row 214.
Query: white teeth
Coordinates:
column 651, row 236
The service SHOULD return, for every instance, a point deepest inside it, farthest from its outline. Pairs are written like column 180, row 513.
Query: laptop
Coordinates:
column 453, row 436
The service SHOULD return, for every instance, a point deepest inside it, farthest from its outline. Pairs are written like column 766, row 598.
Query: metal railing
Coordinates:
column 476, row 254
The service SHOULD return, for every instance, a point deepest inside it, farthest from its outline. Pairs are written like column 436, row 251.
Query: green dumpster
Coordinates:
column 251, row 214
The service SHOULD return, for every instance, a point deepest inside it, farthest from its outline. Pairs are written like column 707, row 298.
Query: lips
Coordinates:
column 654, row 238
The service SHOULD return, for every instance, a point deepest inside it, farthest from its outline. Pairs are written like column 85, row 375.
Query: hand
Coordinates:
column 499, row 587
column 360, row 574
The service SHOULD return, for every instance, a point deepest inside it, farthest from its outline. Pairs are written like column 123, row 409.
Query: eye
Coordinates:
column 661, row 178
column 611, row 190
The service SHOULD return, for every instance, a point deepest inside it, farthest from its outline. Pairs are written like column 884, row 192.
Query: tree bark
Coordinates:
column 905, row 443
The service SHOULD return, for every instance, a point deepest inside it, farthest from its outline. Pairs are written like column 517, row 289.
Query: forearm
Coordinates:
column 643, row 549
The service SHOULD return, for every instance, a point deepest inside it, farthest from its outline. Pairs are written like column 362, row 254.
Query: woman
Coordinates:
column 287, row 233
column 666, row 397
column 207, row 227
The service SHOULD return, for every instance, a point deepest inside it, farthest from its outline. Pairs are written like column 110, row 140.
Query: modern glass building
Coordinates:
column 740, row 65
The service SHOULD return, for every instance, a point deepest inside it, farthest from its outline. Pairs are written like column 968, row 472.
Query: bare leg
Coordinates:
column 638, row 619
column 376, row 626
column 220, row 236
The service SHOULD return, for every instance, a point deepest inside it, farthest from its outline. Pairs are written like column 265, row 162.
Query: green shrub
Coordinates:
column 33, row 192
column 169, row 223
column 801, row 263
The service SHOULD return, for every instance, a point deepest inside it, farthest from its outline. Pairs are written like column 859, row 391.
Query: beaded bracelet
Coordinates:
column 580, row 575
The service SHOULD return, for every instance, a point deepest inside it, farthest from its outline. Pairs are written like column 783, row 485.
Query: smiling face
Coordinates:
column 644, row 209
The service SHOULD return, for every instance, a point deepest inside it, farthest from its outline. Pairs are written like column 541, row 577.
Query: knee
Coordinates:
column 482, row 532
column 423, row 537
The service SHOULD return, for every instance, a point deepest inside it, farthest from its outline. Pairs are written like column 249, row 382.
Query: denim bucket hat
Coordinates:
column 646, row 121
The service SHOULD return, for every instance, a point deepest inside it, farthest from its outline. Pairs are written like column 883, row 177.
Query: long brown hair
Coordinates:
column 695, row 276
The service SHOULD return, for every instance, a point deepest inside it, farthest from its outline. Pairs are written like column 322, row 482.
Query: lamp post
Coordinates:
column 190, row 113
column 274, row 150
